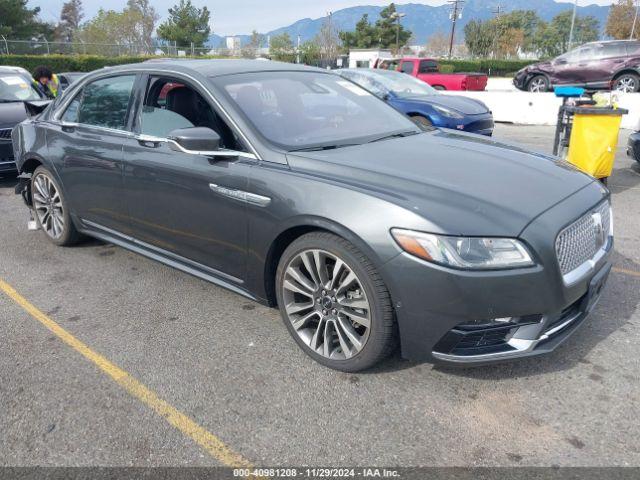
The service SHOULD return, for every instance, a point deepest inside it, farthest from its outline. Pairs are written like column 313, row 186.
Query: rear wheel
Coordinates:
column 334, row 303
column 439, row 87
column 51, row 209
column 627, row 83
column 539, row 83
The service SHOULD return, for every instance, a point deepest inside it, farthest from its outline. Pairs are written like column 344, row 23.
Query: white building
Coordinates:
column 367, row 57
column 233, row 45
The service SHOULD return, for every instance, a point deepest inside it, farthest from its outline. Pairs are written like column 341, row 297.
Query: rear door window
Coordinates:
column 102, row 103
column 428, row 66
column 614, row 50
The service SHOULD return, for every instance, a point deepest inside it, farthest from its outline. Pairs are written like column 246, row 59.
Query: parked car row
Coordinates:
column 299, row 189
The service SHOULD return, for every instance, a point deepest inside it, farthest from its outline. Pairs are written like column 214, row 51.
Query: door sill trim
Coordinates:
column 168, row 258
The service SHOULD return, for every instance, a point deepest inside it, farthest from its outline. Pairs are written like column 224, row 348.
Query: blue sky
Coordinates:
column 242, row 16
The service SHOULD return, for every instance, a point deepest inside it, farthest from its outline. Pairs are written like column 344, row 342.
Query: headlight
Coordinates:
column 472, row 253
column 447, row 112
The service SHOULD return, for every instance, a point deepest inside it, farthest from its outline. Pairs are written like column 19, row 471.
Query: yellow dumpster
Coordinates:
column 594, row 139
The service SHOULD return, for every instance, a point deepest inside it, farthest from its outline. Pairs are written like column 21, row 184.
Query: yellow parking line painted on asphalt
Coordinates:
column 626, row 271
column 212, row 444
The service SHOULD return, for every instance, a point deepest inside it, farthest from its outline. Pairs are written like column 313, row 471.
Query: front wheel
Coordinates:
column 334, row 303
column 51, row 209
column 539, row 83
column 627, row 83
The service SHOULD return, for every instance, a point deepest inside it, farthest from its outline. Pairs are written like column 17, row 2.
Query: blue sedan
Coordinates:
column 423, row 103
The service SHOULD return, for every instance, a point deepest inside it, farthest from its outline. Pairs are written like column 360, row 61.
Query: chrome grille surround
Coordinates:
column 580, row 245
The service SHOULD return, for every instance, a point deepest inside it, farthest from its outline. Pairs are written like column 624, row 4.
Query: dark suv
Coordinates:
column 597, row 65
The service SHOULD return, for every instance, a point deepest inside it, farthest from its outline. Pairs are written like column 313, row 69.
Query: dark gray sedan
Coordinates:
column 298, row 189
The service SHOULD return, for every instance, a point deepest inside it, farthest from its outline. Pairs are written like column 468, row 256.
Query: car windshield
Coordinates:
column 400, row 84
column 309, row 110
column 16, row 88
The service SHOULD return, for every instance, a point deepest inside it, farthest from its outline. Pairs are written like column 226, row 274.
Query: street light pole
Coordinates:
column 573, row 22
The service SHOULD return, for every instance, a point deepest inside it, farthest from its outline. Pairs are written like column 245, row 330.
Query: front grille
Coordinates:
column 5, row 133
column 581, row 240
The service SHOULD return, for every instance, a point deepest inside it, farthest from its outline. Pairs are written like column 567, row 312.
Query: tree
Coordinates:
column 310, row 53
column 620, row 20
column 281, row 48
column 552, row 39
column 186, row 24
column 479, row 38
column 383, row 34
column 364, row 35
column 19, row 22
column 70, row 18
column 128, row 29
column 389, row 31
column 255, row 43
column 327, row 40
column 437, row 44
column 147, row 19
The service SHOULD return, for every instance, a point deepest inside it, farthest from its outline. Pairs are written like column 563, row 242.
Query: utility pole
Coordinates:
column 456, row 13
column 573, row 23
column 635, row 20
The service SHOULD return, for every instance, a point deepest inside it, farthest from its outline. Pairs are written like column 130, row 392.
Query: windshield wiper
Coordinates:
column 319, row 148
column 8, row 100
column 408, row 133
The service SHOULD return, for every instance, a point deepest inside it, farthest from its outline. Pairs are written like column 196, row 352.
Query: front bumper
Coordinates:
column 7, row 162
column 436, row 307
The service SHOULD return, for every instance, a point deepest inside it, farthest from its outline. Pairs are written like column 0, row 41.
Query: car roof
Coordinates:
column 11, row 69
column 214, row 68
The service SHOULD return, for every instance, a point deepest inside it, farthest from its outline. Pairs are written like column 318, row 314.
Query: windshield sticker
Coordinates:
column 353, row 88
column 14, row 80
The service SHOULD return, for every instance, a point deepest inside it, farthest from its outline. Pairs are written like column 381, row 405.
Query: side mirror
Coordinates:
column 194, row 140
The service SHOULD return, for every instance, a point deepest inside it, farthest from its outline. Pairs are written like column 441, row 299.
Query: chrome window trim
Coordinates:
column 150, row 71
column 177, row 146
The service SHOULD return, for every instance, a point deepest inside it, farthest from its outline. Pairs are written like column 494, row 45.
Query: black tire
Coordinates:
column 422, row 121
column 68, row 234
column 382, row 333
column 538, row 84
column 627, row 82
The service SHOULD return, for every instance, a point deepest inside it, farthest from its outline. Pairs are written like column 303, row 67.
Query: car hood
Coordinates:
column 11, row 114
column 464, row 105
column 460, row 183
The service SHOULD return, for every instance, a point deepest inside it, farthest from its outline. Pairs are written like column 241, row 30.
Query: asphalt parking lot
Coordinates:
column 247, row 393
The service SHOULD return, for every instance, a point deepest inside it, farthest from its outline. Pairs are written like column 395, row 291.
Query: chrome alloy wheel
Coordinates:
column 48, row 206
column 326, row 304
column 626, row 85
column 538, row 84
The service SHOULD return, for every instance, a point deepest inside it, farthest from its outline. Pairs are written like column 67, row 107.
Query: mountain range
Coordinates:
column 425, row 20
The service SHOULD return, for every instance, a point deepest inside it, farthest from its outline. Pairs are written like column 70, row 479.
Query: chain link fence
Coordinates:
column 43, row 47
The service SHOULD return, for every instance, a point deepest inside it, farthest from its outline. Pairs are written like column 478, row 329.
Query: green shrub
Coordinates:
column 494, row 68
column 447, row 68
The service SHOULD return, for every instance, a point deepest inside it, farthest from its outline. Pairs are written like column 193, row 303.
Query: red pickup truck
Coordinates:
column 428, row 70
